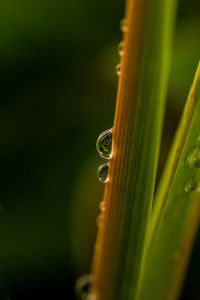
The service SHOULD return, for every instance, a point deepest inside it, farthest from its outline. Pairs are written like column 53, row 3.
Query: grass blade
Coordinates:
column 120, row 246
column 177, row 208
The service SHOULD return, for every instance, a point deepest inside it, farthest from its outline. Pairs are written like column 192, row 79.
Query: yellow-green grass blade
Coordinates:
column 176, row 211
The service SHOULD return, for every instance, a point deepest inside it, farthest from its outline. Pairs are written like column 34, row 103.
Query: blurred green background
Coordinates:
column 58, row 88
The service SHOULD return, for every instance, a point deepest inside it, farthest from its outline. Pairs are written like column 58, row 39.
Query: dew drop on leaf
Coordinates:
column 99, row 220
column 102, row 173
column 193, row 157
column 123, row 25
column 102, row 206
column 82, row 287
column 121, row 48
column 104, row 144
column 190, row 185
column 118, row 69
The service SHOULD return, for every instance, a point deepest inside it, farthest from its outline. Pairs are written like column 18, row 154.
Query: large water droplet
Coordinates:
column 190, row 185
column 104, row 144
column 118, row 69
column 121, row 48
column 193, row 157
column 102, row 173
column 123, row 25
column 82, row 286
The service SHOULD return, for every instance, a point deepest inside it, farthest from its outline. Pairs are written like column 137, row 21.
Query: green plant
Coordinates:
column 135, row 237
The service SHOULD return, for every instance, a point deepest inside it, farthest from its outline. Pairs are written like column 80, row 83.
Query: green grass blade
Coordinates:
column 177, row 208
column 174, row 156
column 128, row 196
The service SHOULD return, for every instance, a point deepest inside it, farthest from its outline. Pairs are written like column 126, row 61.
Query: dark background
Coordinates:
column 58, row 88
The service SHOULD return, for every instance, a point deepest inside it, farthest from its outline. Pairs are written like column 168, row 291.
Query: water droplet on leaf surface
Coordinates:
column 102, row 173
column 118, row 69
column 193, row 157
column 123, row 25
column 104, row 144
column 102, row 206
column 120, row 48
column 190, row 185
column 99, row 220
column 82, row 287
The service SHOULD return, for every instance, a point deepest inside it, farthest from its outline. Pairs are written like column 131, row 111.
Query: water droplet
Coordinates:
column 102, row 173
column 99, row 220
column 118, row 69
column 193, row 157
column 104, row 144
column 121, row 48
column 102, row 206
column 82, row 286
column 123, row 25
column 190, row 185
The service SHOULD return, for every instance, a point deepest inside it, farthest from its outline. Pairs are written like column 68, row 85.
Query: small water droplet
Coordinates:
column 118, row 69
column 102, row 173
column 102, row 206
column 82, row 286
column 121, row 48
column 190, row 185
column 104, row 144
column 99, row 220
column 193, row 157
column 123, row 25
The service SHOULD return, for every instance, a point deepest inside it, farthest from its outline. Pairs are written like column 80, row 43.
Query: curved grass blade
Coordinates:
column 176, row 211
